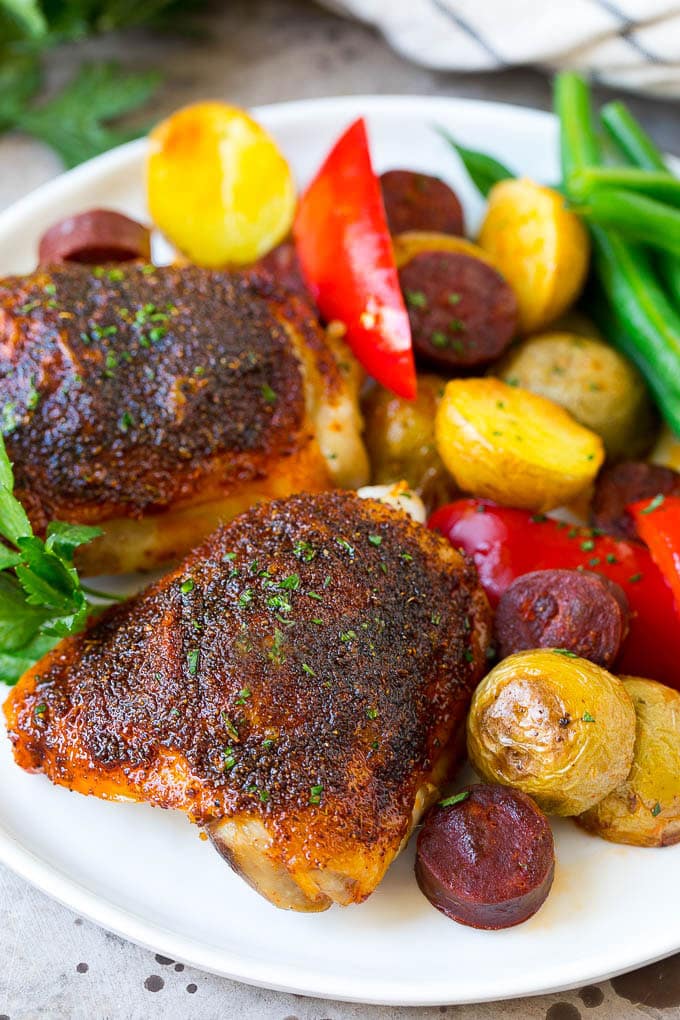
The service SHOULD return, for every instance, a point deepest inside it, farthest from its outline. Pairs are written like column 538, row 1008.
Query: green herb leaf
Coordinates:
column 484, row 170
column 74, row 122
column 457, row 798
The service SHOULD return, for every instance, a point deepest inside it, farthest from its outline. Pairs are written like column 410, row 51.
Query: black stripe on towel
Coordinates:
column 464, row 26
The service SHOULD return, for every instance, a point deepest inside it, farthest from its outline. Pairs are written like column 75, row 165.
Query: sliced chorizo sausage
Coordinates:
column 415, row 201
column 487, row 860
column 463, row 314
column 582, row 612
column 283, row 266
column 626, row 483
column 95, row 236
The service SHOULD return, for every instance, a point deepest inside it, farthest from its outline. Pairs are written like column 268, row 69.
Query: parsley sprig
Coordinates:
column 75, row 121
column 41, row 597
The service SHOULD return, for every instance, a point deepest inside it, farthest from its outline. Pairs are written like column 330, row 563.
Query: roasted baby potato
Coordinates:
column 645, row 809
column 513, row 446
column 555, row 726
column 218, row 187
column 414, row 242
column 539, row 246
column 400, row 440
column 588, row 378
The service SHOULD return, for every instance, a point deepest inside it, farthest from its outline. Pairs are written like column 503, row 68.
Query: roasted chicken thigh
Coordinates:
column 159, row 402
column 297, row 686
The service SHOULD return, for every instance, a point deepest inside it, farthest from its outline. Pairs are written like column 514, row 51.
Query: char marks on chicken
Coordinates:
column 298, row 686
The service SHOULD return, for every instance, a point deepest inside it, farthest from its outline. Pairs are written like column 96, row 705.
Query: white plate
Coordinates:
column 145, row 873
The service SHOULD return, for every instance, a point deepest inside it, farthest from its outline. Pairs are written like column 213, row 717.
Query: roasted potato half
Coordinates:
column 588, row 378
column 400, row 440
column 539, row 246
column 414, row 242
column 555, row 726
column 645, row 809
column 513, row 446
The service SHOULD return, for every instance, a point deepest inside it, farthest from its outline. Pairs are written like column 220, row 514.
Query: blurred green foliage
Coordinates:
column 75, row 121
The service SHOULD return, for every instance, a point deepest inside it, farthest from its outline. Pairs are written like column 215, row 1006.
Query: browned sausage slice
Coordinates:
column 487, row 861
column 627, row 483
column 282, row 265
column 415, row 201
column 463, row 313
column 582, row 612
column 99, row 235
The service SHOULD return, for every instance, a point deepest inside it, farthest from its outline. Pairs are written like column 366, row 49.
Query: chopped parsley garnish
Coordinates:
column 406, row 557
column 438, row 339
column 314, row 595
column 375, row 539
column 565, row 652
column 268, row 394
column 453, row 298
column 588, row 545
column 457, row 798
column 229, row 758
column 308, row 669
column 290, row 583
column 655, row 504
column 587, row 717
column 344, row 544
column 275, row 653
column 315, row 794
column 436, row 619
column 416, row 299
column 8, row 419
column 243, row 695
column 634, row 578
column 656, row 810
column 280, row 603
column 304, row 551
column 372, row 713
column 192, row 661
column 348, row 636
column 611, row 558
column 187, row 586
column 230, row 727
column 126, row 421
column 228, row 557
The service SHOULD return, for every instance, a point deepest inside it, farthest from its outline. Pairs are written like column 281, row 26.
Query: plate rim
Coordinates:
column 288, row 978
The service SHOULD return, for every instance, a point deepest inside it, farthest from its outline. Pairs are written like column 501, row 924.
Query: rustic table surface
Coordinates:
column 55, row 964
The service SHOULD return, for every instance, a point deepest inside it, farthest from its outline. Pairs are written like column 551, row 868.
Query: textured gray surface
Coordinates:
column 55, row 964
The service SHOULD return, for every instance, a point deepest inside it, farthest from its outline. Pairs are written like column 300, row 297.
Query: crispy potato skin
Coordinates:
column 539, row 246
column 154, row 700
column 141, row 393
column 645, row 809
column 589, row 379
column 556, row 727
column 513, row 446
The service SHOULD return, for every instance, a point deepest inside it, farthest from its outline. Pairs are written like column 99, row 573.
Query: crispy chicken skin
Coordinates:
column 298, row 686
column 161, row 401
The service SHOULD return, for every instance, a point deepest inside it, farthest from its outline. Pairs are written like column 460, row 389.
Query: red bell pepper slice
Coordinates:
column 506, row 543
column 658, row 524
column 345, row 251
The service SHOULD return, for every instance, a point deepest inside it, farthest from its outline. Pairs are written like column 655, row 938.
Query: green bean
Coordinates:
column 639, row 148
column 650, row 324
column 638, row 218
column 484, row 170
column 631, row 138
column 658, row 184
column 578, row 143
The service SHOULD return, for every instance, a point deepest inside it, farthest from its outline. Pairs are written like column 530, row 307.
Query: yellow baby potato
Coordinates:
column 218, row 187
column 413, row 242
column 513, row 446
column 539, row 246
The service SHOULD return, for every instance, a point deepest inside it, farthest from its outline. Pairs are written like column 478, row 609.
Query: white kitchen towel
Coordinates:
column 630, row 44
